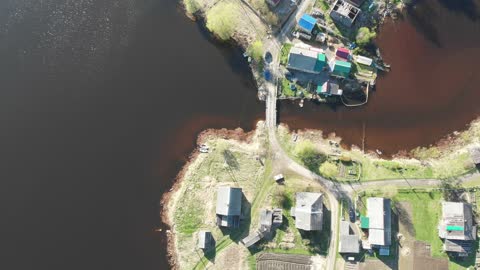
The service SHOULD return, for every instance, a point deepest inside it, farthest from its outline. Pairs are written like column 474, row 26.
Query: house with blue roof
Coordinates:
column 307, row 23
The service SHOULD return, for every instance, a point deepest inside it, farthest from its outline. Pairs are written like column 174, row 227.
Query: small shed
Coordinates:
column 266, row 217
column 342, row 54
column 341, row 68
column 329, row 88
column 252, row 239
column 364, row 60
column 349, row 244
column 279, row 178
column 277, row 216
column 475, row 154
column 307, row 23
column 205, row 240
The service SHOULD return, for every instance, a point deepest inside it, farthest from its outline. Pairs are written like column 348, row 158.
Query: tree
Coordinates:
column 329, row 170
column 309, row 155
column 255, row 50
column 222, row 19
column 365, row 36
column 191, row 6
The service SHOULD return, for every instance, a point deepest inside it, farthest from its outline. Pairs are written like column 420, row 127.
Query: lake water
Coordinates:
column 432, row 90
column 102, row 102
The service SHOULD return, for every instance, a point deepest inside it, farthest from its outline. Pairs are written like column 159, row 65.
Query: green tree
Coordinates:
column 255, row 50
column 309, row 155
column 329, row 170
column 191, row 6
column 222, row 19
column 365, row 36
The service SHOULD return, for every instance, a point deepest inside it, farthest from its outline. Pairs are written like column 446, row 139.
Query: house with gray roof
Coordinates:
column 305, row 60
column 229, row 205
column 308, row 211
column 205, row 240
column 457, row 228
column 379, row 221
column 349, row 243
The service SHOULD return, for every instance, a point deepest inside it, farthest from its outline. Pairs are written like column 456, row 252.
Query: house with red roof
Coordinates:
column 342, row 54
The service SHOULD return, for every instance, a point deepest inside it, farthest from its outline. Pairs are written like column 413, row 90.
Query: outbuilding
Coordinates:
column 205, row 240
column 307, row 23
column 341, row 68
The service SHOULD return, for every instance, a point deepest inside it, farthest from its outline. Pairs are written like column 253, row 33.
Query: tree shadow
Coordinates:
column 230, row 159
column 421, row 17
column 452, row 190
column 466, row 7
column 404, row 217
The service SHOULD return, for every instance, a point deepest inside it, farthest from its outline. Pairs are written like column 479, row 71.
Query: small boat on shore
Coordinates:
column 204, row 148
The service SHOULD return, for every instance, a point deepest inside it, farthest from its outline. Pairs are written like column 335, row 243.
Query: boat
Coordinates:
column 203, row 148
column 301, row 103
column 378, row 152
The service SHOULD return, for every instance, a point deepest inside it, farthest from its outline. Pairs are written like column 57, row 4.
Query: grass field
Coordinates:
column 426, row 213
column 427, row 210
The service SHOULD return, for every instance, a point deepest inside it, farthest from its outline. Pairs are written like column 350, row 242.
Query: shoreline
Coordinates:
column 170, row 198
column 237, row 134
column 450, row 142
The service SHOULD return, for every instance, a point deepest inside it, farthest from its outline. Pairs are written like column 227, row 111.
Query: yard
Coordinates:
column 425, row 214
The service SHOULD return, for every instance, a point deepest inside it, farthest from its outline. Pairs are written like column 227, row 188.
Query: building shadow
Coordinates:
column 318, row 242
column 211, row 252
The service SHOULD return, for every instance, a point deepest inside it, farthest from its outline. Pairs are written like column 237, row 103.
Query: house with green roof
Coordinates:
column 341, row 68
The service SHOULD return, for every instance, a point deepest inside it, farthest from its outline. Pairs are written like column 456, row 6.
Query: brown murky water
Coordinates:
column 432, row 90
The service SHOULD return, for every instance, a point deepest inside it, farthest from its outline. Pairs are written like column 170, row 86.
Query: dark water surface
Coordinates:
column 101, row 102
column 432, row 90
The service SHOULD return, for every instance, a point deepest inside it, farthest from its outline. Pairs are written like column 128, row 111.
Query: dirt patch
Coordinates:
column 224, row 260
column 377, row 265
column 423, row 260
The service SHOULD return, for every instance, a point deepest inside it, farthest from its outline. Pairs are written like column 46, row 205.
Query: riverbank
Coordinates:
column 244, row 160
column 328, row 156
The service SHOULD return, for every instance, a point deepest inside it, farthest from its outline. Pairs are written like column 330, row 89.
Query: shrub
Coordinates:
column 309, row 156
column 365, row 36
column 255, row 50
column 222, row 19
column 191, row 6
column 329, row 170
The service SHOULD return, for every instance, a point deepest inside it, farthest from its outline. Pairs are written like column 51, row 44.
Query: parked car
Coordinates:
column 351, row 213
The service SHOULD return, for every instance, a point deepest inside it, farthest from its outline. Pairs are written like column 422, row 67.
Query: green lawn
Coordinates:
column 284, row 53
column 322, row 4
column 427, row 211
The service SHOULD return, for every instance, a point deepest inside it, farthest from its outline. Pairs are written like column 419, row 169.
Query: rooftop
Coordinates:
column 457, row 222
column 307, row 22
column 229, row 201
column 204, row 239
column 379, row 219
column 308, row 211
column 346, row 9
column 304, row 60
column 349, row 244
